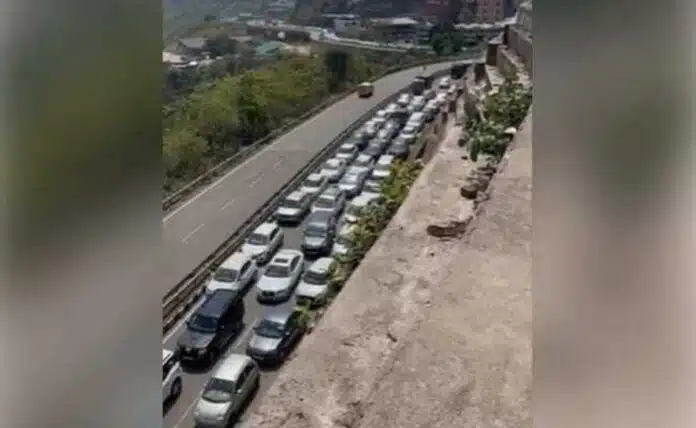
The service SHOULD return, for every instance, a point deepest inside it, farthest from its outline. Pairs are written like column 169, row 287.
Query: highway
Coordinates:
column 198, row 227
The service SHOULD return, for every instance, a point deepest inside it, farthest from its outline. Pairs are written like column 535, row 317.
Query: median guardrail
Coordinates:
column 223, row 167
column 185, row 294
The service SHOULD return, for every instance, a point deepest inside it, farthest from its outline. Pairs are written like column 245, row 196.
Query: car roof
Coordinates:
column 231, row 367
column 363, row 156
column 385, row 159
column 321, row 265
column 331, row 193
column 334, row 161
column 348, row 144
column 284, row 256
column 266, row 228
column 320, row 217
column 279, row 314
column 216, row 302
column 295, row 196
column 235, row 261
column 315, row 176
column 166, row 353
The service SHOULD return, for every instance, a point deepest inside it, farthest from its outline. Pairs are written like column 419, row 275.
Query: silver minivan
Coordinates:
column 233, row 384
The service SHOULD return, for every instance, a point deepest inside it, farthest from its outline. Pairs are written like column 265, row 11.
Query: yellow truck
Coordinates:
column 365, row 90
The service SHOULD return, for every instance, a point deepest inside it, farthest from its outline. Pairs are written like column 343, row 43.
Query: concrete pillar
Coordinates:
column 492, row 53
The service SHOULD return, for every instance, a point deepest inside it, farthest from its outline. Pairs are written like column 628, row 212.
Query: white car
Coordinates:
column 347, row 152
column 357, row 205
column 363, row 162
column 343, row 241
column 281, row 276
column 171, row 382
column 236, row 273
column 314, row 285
column 314, row 184
column 382, row 169
column 264, row 242
column 404, row 99
column 334, row 169
column 333, row 199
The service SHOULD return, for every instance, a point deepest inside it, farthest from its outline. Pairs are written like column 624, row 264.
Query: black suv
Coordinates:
column 319, row 234
column 212, row 327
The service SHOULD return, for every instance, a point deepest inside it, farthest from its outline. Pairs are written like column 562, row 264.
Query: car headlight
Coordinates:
column 201, row 351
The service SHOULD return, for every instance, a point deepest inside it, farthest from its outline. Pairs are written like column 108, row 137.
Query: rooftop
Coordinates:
column 193, row 42
column 395, row 21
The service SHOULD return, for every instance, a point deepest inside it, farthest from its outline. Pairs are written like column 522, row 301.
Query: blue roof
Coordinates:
column 269, row 47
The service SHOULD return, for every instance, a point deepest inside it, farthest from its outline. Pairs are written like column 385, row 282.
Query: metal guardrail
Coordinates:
column 221, row 168
column 182, row 297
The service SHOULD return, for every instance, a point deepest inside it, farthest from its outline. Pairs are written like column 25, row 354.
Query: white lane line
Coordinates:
column 278, row 162
column 227, row 204
column 256, row 180
column 193, row 232
column 240, row 339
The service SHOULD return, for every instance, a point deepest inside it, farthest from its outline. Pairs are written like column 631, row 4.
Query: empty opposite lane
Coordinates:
column 196, row 228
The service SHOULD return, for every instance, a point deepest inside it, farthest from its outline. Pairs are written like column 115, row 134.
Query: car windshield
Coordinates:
column 218, row 391
column 324, row 203
column 257, row 239
column 362, row 162
column 277, row 271
column 203, row 324
column 313, row 182
column 346, row 149
column 315, row 231
column 267, row 328
column 350, row 178
column 315, row 278
column 225, row 275
column 333, row 166
column 409, row 130
column 382, row 167
column 291, row 203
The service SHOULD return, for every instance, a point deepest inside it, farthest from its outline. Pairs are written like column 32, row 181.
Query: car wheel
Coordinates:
column 176, row 389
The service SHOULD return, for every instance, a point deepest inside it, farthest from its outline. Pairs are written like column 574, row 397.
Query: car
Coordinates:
column 365, row 90
column 364, row 162
column 404, row 99
column 416, row 119
column 171, row 382
column 333, row 199
column 263, row 242
column 382, row 168
column 314, row 184
column 236, row 273
column 441, row 98
column 293, row 208
column 399, row 148
column 382, row 114
column 372, row 186
column 232, row 385
column 280, row 277
column 391, row 108
column 347, row 152
column 352, row 183
column 445, row 82
column 431, row 109
column 344, row 240
column 334, row 169
column 313, row 289
column 429, row 94
column 375, row 148
column 378, row 122
column 359, row 138
column 275, row 335
column 416, row 104
column 409, row 133
column 386, row 134
column 358, row 205
column 212, row 327
column 319, row 233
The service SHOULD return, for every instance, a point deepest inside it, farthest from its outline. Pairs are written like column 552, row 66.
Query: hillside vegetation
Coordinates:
column 216, row 121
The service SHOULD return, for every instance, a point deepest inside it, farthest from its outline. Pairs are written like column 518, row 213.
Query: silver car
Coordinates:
column 404, row 99
column 314, row 184
column 357, row 205
column 343, row 241
column 236, row 273
column 409, row 133
column 235, row 381
column 382, row 169
column 264, row 242
column 281, row 276
column 294, row 207
column 347, row 152
column 352, row 183
column 314, row 285
column 364, row 162
column 333, row 169
column 372, row 186
column 333, row 199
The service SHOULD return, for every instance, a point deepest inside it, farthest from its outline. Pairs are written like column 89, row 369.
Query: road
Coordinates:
column 195, row 229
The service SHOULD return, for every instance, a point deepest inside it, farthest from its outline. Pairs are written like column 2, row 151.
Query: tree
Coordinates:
column 183, row 153
column 252, row 109
column 336, row 62
column 439, row 44
column 221, row 45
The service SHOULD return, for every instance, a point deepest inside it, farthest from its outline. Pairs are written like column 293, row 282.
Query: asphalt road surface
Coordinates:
column 195, row 229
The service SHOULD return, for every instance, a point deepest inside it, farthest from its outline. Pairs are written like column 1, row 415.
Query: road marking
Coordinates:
column 227, row 204
column 256, row 180
column 188, row 410
column 278, row 162
column 193, row 232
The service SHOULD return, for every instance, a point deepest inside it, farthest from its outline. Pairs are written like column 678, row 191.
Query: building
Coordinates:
column 341, row 23
column 396, row 29
column 490, row 11
column 441, row 10
column 193, row 47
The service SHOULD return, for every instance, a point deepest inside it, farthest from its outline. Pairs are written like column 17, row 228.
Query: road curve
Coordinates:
column 196, row 228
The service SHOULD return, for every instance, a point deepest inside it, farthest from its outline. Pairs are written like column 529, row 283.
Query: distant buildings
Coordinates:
column 396, row 29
